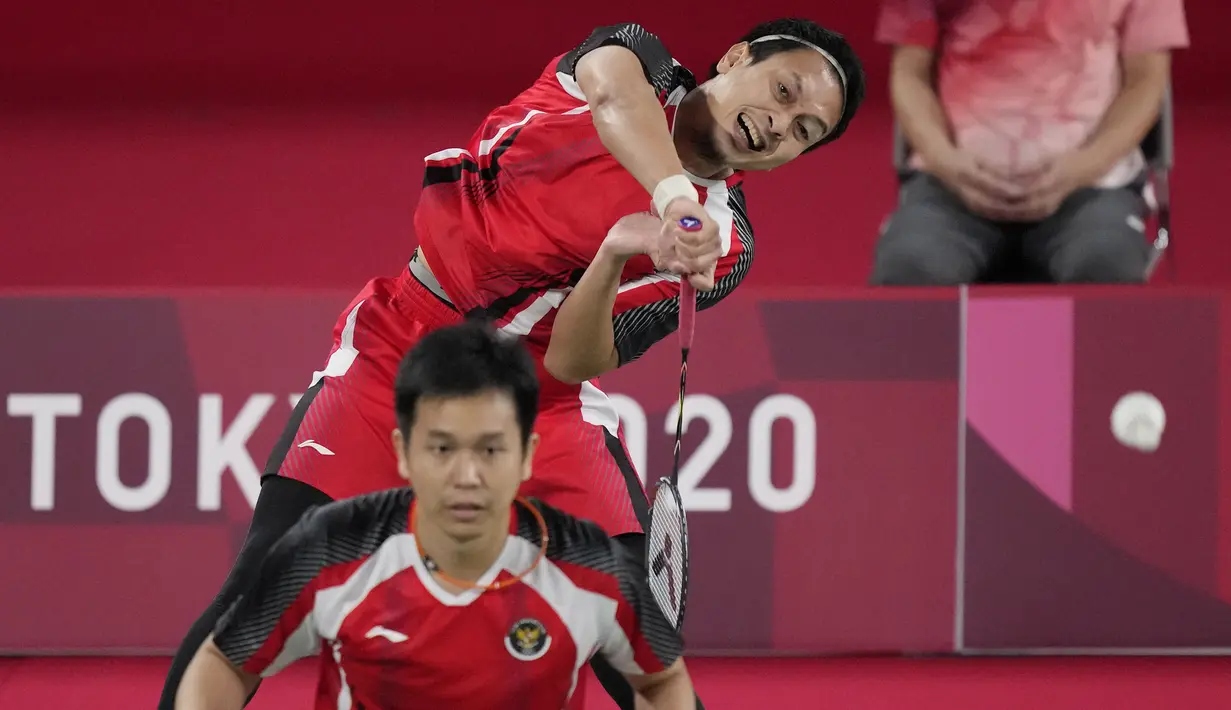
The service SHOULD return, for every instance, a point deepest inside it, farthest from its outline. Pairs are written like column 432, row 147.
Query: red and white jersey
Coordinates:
column 348, row 581
column 509, row 222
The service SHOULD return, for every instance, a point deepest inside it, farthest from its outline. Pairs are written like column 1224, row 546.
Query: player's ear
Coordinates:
column 399, row 445
column 738, row 54
column 532, row 443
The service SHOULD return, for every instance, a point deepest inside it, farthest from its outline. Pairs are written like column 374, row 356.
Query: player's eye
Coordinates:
column 491, row 451
column 440, row 449
column 782, row 91
column 803, row 133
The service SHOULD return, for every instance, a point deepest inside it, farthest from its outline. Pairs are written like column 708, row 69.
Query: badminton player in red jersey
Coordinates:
column 460, row 595
column 508, row 225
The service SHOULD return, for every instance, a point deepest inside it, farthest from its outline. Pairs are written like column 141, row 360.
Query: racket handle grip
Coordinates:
column 688, row 294
column 688, row 312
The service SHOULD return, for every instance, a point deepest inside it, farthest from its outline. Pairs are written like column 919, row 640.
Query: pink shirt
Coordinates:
column 1023, row 81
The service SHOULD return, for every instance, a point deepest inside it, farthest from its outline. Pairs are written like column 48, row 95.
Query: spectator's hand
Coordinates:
column 694, row 254
column 984, row 190
column 1048, row 187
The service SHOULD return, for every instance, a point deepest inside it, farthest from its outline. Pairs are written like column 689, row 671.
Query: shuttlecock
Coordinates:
column 1138, row 420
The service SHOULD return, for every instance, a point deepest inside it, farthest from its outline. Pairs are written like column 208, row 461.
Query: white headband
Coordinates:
column 829, row 57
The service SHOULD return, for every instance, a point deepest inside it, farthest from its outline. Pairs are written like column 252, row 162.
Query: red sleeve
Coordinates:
column 647, row 309
column 911, row 22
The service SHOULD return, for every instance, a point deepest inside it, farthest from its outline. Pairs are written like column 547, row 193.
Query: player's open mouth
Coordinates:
column 753, row 136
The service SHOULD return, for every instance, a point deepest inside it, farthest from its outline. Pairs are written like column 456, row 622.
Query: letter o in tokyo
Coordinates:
column 107, row 469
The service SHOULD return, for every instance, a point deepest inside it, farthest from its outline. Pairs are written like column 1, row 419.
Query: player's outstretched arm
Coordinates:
column 625, row 74
column 211, row 682
column 627, row 113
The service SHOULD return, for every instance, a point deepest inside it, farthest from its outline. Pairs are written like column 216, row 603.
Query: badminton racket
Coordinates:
column 667, row 541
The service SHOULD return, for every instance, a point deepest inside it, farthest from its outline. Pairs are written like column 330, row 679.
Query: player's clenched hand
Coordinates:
column 694, row 253
column 633, row 235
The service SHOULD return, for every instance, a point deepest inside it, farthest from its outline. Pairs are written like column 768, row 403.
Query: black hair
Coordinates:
column 463, row 360
column 828, row 40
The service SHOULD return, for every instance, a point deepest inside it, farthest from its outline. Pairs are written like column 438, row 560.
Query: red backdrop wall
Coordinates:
column 199, row 143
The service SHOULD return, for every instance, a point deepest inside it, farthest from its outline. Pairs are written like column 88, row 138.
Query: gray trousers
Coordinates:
column 1097, row 236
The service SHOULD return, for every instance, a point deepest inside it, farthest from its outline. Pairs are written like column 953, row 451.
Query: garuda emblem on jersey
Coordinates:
column 528, row 640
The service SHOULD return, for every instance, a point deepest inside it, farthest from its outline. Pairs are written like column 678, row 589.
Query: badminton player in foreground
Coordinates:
column 460, row 595
column 507, row 226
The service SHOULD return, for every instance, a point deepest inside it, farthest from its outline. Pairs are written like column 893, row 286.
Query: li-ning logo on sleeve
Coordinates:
column 311, row 444
column 528, row 640
column 387, row 634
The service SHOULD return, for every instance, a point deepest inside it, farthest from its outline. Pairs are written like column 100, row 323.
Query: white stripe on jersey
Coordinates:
column 302, row 643
column 569, row 84
column 334, row 604
column 530, row 316
column 340, row 360
column 488, row 144
column 345, row 701
column 648, row 279
column 674, row 99
column 717, row 205
column 597, row 409
column 538, row 309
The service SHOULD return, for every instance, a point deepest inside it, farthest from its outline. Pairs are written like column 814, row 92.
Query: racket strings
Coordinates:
column 668, row 565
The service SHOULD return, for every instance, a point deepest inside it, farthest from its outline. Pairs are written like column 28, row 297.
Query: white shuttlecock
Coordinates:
column 1138, row 420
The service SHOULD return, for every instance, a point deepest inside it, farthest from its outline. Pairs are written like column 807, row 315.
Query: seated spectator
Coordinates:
column 1024, row 119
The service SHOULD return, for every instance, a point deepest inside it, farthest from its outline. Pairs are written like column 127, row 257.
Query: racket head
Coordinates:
column 667, row 553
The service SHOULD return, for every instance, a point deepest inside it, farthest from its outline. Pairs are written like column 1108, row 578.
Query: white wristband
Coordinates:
column 671, row 188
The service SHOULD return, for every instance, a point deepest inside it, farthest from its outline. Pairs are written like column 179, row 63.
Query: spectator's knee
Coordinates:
column 907, row 261
column 1105, row 261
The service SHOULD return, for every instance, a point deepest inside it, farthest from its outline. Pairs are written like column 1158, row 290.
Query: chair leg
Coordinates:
column 1157, row 250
